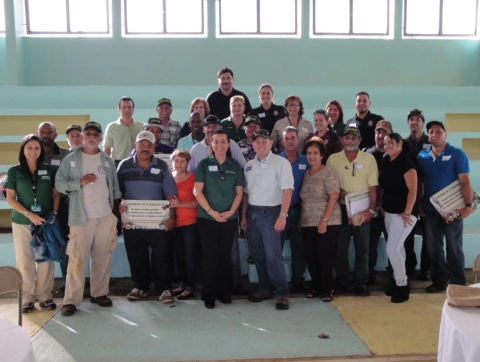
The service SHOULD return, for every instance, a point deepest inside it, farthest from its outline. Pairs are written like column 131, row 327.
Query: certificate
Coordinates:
column 357, row 201
column 145, row 214
column 165, row 157
column 450, row 199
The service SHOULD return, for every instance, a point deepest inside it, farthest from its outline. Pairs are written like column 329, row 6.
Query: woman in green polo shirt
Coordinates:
column 219, row 191
column 32, row 195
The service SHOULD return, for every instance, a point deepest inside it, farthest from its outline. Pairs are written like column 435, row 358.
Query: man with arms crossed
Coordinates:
column 88, row 177
column 442, row 164
column 266, row 200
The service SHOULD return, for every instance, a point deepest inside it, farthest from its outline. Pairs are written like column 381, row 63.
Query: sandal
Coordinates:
column 176, row 291
column 328, row 297
column 311, row 294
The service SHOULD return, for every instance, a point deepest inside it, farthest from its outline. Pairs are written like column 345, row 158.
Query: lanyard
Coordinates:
column 34, row 179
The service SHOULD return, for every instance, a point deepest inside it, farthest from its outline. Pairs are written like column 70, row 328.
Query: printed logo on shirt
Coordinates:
column 249, row 168
column 370, row 123
column 446, row 158
column 101, row 170
column 45, row 178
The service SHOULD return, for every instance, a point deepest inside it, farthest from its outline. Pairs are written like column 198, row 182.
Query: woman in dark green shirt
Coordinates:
column 219, row 191
column 32, row 195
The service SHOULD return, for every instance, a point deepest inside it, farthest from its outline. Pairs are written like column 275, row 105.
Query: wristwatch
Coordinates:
column 373, row 212
column 469, row 205
column 25, row 213
column 284, row 214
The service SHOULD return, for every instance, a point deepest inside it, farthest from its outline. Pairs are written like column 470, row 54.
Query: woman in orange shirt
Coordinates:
column 185, row 234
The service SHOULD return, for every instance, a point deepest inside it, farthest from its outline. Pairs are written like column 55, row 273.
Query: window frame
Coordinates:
column 68, row 31
column 440, row 25
column 165, row 33
column 388, row 35
column 258, row 33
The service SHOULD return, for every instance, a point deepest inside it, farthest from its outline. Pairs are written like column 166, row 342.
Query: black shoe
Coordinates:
column 28, row 307
column 209, row 305
column 434, row 288
column 425, row 275
column 282, row 303
column 102, row 301
column 400, row 294
column 176, row 292
column 48, row 304
column 259, row 296
column 190, row 295
column 362, row 291
column 226, row 300
column 68, row 310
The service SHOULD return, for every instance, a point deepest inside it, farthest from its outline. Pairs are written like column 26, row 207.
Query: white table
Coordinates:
column 459, row 339
column 15, row 345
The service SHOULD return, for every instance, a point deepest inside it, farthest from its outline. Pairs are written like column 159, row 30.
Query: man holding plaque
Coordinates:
column 356, row 171
column 443, row 164
column 145, row 177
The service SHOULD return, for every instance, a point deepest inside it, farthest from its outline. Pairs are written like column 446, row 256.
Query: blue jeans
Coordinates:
column 265, row 249
column 185, row 244
column 361, row 240
column 453, row 269
column 296, row 245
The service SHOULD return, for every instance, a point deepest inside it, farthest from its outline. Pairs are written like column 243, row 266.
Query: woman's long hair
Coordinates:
column 21, row 154
column 220, row 131
column 340, row 109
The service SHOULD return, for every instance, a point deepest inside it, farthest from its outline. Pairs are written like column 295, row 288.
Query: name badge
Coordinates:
column 261, row 115
column 36, row 208
column 359, row 167
column 446, row 158
column 42, row 172
column 55, row 162
column 45, row 178
column 213, row 168
column 263, row 166
column 302, row 167
column 248, row 168
column 172, row 129
column 72, row 163
column 304, row 129
column 155, row 171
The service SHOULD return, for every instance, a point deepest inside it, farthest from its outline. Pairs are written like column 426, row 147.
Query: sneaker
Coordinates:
column 282, row 303
column 48, row 304
column 68, row 310
column 136, row 294
column 102, row 301
column 27, row 307
column 166, row 297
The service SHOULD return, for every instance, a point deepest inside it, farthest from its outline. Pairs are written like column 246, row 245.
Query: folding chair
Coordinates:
column 476, row 269
column 11, row 280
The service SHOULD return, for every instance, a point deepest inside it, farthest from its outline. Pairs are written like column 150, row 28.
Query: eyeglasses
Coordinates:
column 293, row 105
column 261, row 132
column 222, row 173
column 321, row 111
column 91, row 134
column 354, row 170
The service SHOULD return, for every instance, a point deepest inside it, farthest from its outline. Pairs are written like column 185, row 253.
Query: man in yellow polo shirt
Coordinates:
column 356, row 171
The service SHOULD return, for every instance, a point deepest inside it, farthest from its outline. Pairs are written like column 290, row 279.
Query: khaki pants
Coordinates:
column 98, row 236
column 37, row 277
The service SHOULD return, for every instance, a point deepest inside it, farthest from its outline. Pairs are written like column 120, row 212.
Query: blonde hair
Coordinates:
column 181, row 153
column 237, row 98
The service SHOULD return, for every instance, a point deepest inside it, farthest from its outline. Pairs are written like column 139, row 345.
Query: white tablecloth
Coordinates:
column 15, row 345
column 459, row 339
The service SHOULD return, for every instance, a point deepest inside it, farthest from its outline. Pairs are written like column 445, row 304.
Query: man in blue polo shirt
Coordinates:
column 443, row 164
column 145, row 177
column 299, row 167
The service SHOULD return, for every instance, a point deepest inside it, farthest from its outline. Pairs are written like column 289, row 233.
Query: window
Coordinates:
column 164, row 17
column 347, row 18
column 440, row 18
column 267, row 18
column 77, row 17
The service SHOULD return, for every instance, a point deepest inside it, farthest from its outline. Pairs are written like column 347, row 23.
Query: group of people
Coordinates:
column 264, row 170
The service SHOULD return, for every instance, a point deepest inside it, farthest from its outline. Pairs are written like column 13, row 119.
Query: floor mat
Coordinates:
column 186, row 331
column 389, row 328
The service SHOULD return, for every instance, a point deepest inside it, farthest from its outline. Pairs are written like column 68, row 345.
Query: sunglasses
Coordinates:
column 354, row 171
column 261, row 132
column 321, row 111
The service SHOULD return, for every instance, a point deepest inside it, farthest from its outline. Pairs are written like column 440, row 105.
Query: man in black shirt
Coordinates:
column 419, row 141
column 364, row 120
column 219, row 100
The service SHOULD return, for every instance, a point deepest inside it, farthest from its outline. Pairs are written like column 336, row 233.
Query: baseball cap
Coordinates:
column 416, row 112
column 353, row 130
column 93, row 125
column 254, row 119
column 164, row 101
column 211, row 119
column 435, row 123
column 385, row 125
column 73, row 127
column 261, row 133
column 145, row 135
column 153, row 122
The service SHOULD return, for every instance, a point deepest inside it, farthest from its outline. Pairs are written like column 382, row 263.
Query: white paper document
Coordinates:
column 357, row 201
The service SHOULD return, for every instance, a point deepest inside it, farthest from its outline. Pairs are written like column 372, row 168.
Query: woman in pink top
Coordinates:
column 185, row 235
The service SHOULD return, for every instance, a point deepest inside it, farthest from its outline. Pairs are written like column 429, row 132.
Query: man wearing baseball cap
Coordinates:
column 154, row 126
column 88, row 177
column 148, row 250
column 419, row 141
column 171, row 128
column 74, row 136
column 252, row 124
column 120, row 135
column 266, row 201
column 356, row 171
column 442, row 164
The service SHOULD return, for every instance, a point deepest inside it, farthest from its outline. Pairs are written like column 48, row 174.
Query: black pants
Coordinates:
column 63, row 218
column 320, row 256
column 145, row 267
column 216, row 239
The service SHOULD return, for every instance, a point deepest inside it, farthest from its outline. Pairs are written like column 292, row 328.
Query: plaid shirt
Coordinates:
column 171, row 133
